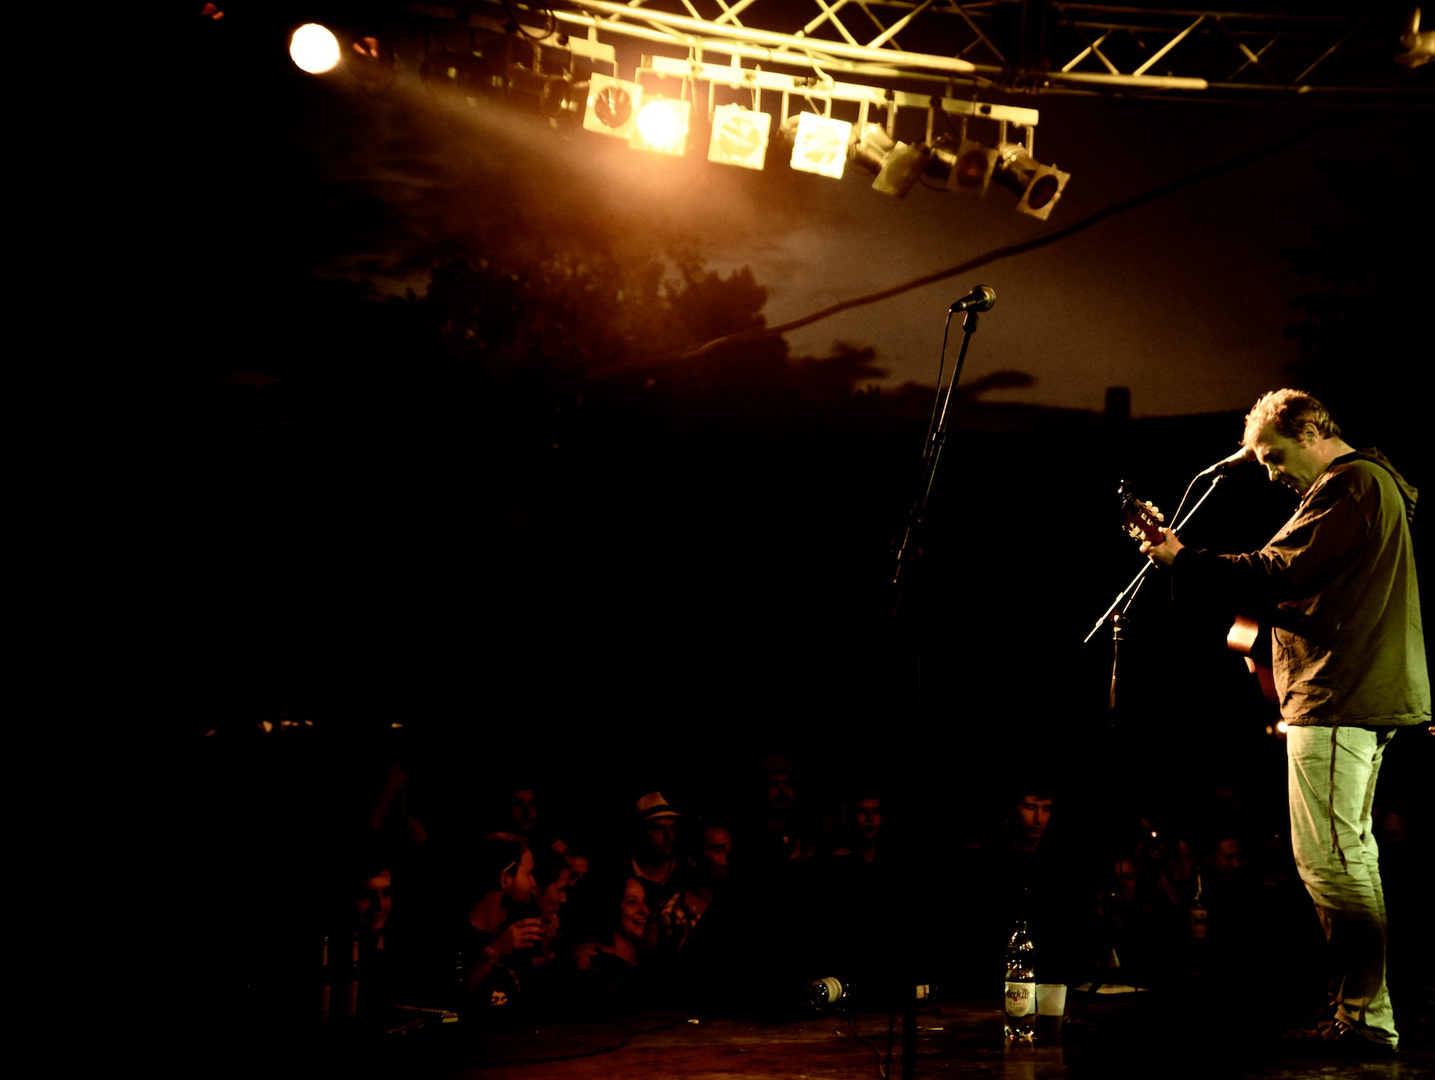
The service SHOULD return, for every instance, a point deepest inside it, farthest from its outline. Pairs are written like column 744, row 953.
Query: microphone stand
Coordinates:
column 932, row 452
column 1116, row 615
column 909, row 549
column 1127, row 595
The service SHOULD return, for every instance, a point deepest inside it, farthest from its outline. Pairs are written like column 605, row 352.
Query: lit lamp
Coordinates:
column 662, row 126
column 314, row 49
column 819, row 145
column 739, row 137
column 612, row 106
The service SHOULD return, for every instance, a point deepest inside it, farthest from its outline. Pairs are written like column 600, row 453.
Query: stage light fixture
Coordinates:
column 1419, row 47
column 662, row 126
column 896, row 164
column 1039, row 186
column 819, row 145
column 314, row 49
column 871, row 147
column 973, row 168
column 903, row 166
column 555, row 97
column 468, row 75
column 613, row 106
column 739, row 137
column 372, row 62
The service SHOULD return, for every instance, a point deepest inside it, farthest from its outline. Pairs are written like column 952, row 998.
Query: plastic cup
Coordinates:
column 1050, row 1007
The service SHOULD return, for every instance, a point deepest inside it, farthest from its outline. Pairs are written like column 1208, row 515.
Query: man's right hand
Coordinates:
column 523, row 934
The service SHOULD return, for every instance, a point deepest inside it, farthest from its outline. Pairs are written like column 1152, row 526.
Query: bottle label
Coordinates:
column 1198, row 920
column 833, row 988
column 1020, row 998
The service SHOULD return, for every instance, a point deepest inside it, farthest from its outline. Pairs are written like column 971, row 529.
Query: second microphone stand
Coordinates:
column 932, row 453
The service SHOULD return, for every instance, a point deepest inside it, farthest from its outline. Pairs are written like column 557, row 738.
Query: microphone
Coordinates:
column 979, row 299
column 1240, row 457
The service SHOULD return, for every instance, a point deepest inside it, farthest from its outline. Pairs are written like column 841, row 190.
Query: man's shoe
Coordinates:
column 1340, row 1038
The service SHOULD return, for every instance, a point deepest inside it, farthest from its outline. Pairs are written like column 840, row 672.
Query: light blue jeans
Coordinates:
column 1332, row 774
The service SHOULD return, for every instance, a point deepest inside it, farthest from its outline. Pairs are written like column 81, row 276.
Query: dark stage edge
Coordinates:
column 1133, row 1035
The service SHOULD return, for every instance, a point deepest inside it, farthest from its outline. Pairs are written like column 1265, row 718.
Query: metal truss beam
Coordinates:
column 1015, row 45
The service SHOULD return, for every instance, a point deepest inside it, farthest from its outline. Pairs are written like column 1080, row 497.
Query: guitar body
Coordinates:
column 1253, row 641
column 1142, row 521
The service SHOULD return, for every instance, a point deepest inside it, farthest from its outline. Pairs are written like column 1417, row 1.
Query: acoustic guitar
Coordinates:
column 1247, row 636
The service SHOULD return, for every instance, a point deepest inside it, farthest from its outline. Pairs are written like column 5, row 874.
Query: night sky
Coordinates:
column 359, row 531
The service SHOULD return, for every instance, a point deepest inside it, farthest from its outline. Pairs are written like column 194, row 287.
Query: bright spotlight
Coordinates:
column 739, row 137
column 314, row 49
column 819, row 144
column 662, row 126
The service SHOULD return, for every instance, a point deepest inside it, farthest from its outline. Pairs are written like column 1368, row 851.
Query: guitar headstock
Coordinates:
column 1139, row 520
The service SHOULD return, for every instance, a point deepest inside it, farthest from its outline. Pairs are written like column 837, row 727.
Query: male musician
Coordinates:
column 1349, row 659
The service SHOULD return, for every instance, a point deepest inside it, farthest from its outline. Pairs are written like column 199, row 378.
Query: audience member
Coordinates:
column 654, row 859
column 522, row 812
column 1019, row 873
column 863, row 830
column 705, row 868
column 550, row 871
column 776, row 830
column 497, row 940
column 608, row 969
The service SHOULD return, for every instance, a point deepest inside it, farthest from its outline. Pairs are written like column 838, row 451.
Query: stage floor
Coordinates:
column 1132, row 1035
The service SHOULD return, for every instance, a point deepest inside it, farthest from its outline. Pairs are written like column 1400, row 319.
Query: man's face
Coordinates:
column 1182, row 867
column 1032, row 815
column 519, row 886
column 634, row 915
column 553, row 895
column 869, row 818
column 1126, row 881
column 779, row 792
column 523, row 810
column 716, row 845
column 662, row 835
column 375, row 900
column 1292, row 462
column 1226, row 859
column 577, row 868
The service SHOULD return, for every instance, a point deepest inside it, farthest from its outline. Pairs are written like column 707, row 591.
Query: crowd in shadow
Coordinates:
column 735, row 905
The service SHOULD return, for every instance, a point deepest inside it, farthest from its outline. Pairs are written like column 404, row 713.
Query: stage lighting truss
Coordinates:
column 656, row 118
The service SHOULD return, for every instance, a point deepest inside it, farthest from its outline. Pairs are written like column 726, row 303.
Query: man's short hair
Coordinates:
column 1288, row 411
column 547, row 866
column 499, row 853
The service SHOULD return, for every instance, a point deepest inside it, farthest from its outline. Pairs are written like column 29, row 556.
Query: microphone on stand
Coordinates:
column 1240, row 457
column 979, row 299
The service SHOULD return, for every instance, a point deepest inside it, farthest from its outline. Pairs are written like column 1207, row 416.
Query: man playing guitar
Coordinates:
column 1349, row 665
